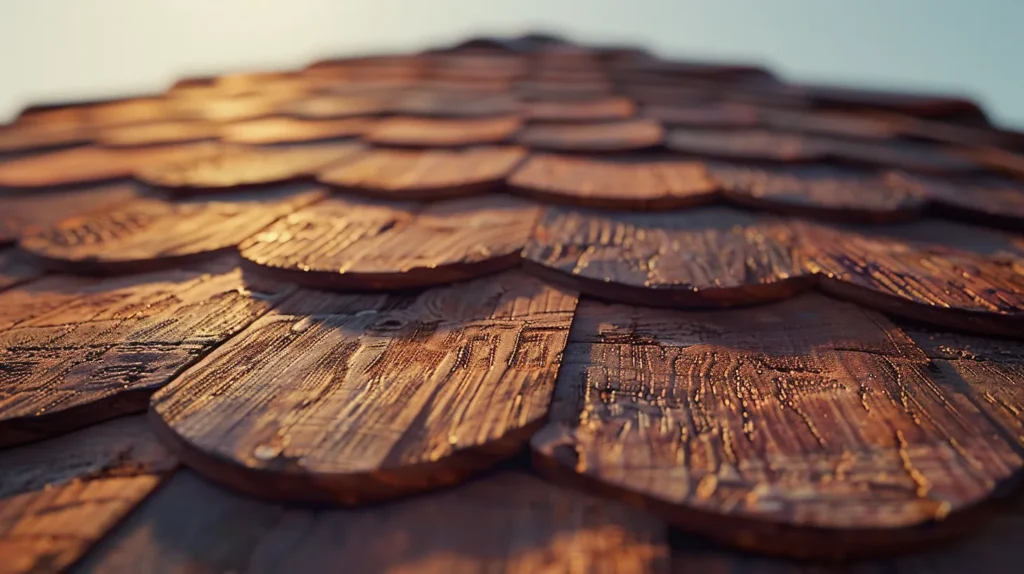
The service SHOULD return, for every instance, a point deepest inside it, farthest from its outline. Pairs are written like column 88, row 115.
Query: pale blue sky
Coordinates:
column 54, row 49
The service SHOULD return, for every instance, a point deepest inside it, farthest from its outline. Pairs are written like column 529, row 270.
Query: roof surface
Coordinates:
column 515, row 305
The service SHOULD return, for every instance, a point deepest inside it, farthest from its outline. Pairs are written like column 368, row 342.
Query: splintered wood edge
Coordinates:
column 413, row 278
column 774, row 538
column 348, row 489
column 675, row 298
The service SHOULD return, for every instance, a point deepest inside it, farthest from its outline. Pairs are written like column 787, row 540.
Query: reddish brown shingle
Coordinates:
column 784, row 340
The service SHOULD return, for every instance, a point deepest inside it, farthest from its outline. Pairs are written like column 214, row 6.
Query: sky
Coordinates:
column 53, row 50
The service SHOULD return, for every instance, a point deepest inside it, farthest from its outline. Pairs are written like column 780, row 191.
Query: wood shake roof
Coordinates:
column 515, row 305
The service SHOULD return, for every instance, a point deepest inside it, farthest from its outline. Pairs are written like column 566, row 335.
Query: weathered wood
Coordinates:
column 24, row 214
column 279, row 130
column 374, row 244
column 508, row 523
column 353, row 398
column 91, row 164
column 939, row 285
column 620, row 136
column 242, row 166
column 745, row 144
column 76, row 351
column 158, row 133
column 637, row 182
column 428, row 132
column 149, row 233
column 15, row 268
column 60, row 497
column 606, row 109
column 704, row 115
column 808, row 427
column 335, row 107
column 712, row 256
column 822, row 191
column 424, row 174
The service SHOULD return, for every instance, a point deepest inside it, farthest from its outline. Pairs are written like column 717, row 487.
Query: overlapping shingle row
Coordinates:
column 784, row 317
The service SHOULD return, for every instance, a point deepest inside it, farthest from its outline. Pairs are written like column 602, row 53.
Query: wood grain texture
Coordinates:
column 150, row 234
column 243, row 166
column 745, row 144
column 808, row 427
column 711, row 256
column 24, row 214
column 60, row 497
column 77, row 351
column 620, row 136
column 332, row 107
column 424, row 174
column 606, row 109
column 936, row 284
column 822, row 191
column 91, row 164
column 281, row 130
column 430, row 132
column 157, row 133
column 378, row 245
column 647, row 182
column 704, row 115
column 354, row 398
column 507, row 523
